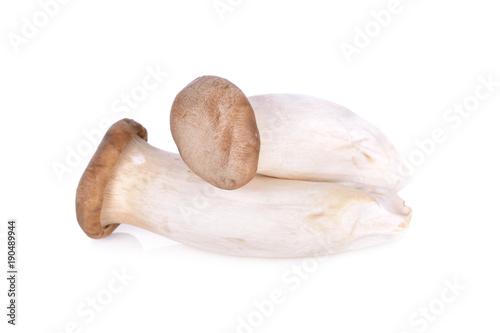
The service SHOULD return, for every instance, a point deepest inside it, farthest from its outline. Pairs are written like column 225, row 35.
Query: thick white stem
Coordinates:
column 268, row 217
column 308, row 138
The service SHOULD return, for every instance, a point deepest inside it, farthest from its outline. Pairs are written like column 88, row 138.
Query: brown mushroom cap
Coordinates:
column 90, row 191
column 214, row 127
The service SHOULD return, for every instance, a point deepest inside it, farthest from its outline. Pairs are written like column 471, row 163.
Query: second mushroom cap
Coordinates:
column 214, row 127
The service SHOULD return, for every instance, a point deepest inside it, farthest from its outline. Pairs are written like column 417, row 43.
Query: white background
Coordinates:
column 64, row 80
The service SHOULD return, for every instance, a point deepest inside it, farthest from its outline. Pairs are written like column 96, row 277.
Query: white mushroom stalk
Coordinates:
column 309, row 138
column 268, row 217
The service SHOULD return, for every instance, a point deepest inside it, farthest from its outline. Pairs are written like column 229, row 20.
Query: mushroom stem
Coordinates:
column 309, row 138
column 268, row 217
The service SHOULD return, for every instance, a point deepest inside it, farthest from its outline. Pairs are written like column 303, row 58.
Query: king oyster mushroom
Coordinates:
column 129, row 181
column 301, row 137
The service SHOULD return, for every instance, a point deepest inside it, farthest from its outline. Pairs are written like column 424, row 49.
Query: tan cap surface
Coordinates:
column 90, row 191
column 214, row 127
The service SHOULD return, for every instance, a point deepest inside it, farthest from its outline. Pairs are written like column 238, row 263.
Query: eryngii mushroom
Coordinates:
column 309, row 138
column 129, row 181
column 214, row 127
column 302, row 137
